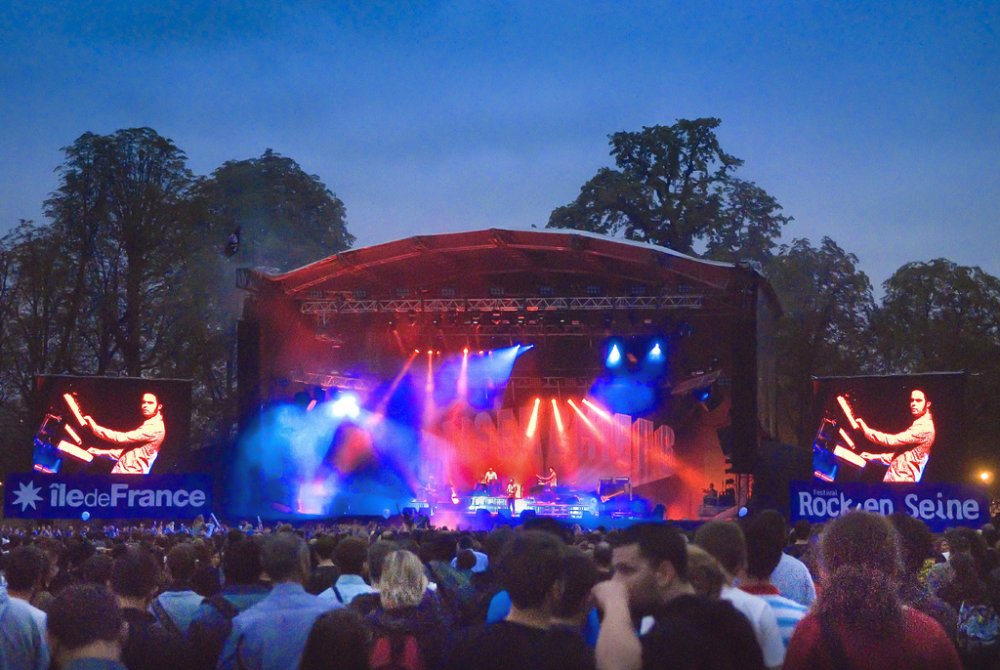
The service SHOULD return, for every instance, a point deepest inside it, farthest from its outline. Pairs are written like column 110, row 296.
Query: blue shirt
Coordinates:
column 22, row 641
column 180, row 606
column 272, row 634
column 349, row 587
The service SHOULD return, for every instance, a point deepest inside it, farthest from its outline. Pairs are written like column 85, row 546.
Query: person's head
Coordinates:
column 97, row 569
column 403, row 581
column 765, row 542
column 651, row 560
column 324, row 546
column 579, row 577
column 182, row 562
column 26, row 569
column 919, row 404
column 149, row 405
column 704, row 572
column 84, row 621
column 241, row 563
column 602, row 556
column 351, row 553
column 860, row 564
column 916, row 541
column 135, row 574
column 725, row 542
column 376, row 557
column 285, row 558
column 801, row 530
column 465, row 560
column 529, row 567
column 342, row 635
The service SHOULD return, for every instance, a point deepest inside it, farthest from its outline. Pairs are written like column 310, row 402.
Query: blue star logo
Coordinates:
column 26, row 495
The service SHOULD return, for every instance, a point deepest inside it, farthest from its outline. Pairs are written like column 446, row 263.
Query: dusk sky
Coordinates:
column 875, row 123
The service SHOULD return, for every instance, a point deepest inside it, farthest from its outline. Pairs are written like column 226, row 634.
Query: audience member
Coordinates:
column 176, row 605
column 85, row 628
column 725, row 542
column 148, row 645
column 530, row 568
column 325, row 572
column 212, row 622
column 352, row 555
column 765, row 538
column 22, row 641
column 688, row 632
column 25, row 572
column 859, row 620
column 339, row 640
column 272, row 634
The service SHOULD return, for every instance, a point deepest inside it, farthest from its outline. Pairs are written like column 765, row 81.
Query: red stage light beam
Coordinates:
column 558, row 417
column 600, row 411
column 533, row 421
column 583, row 417
column 463, row 377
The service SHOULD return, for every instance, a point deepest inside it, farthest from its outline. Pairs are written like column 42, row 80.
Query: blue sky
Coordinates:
column 875, row 123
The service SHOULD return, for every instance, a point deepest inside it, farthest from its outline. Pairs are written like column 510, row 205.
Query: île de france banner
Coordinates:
column 42, row 496
column 940, row 506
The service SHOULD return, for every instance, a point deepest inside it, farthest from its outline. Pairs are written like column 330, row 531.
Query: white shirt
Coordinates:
column 763, row 622
column 349, row 587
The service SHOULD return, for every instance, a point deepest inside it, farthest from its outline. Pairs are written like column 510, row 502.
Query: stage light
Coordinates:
column 986, row 476
column 416, row 351
column 656, row 353
column 600, row 411
column 346, row 406
column 524, row 347
column 557, row 415
column 533, row 421
column 614, row 357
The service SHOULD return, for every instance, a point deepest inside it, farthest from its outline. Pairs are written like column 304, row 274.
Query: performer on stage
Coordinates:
column 137, row 448
column 549, row 481
column 513, row 493
column 912, row 447
column 491, row 481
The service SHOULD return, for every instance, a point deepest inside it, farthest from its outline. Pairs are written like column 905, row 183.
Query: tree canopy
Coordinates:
column 674, row 186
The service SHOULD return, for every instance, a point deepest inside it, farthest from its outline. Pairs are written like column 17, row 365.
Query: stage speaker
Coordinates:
column 247, row 370
column 745, row 428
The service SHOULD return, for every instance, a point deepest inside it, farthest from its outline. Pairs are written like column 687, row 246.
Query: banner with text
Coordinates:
column 41, row 496
column 940, row 506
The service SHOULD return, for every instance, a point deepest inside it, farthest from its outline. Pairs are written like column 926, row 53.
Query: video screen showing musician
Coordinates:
column 135, row 450
column 911, row 449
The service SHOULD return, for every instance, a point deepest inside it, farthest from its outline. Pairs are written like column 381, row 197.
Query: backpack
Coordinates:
column 978, row 628
column 395, row 650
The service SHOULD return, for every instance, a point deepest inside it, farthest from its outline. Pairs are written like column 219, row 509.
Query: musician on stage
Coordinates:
column 513, row 493
column 549, row 481
column 491, row 481
column 911, row 448
column 137, row 448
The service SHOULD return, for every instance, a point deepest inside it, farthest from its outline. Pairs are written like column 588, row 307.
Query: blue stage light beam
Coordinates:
column 614, row 357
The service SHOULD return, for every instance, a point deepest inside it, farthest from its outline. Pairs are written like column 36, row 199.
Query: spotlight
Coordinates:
column 346, row 405
column 614, row 357
column 656, row 353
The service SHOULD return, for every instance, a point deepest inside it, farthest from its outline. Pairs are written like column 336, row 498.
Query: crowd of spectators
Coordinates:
column 732, row 594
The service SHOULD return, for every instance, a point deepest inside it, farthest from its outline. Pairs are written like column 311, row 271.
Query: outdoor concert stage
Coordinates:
column 400, row 373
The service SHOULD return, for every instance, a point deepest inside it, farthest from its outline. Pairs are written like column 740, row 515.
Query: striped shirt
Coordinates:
column 788, row 612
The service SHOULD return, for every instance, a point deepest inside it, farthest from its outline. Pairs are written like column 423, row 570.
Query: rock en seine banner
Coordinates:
column 41, row 496
column 940, row 506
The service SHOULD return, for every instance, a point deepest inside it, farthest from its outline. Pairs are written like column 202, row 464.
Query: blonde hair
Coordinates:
column 403, row 581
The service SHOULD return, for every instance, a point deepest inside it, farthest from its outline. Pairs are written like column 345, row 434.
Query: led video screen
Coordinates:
column 113, row 425
column 893, row 428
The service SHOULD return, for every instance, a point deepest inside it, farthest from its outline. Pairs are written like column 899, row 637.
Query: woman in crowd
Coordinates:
column 859, row 621
column 407, row 613
column 339, row 640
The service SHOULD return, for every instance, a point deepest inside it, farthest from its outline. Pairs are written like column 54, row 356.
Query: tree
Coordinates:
column 827, row 305
column 286, row 217
column 938, row 316
column 674, row 187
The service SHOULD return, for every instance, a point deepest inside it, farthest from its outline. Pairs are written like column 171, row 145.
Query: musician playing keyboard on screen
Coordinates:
column 911, row 448
column 135, row 449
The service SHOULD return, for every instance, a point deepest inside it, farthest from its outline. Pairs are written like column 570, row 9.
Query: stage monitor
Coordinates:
column 903, row 429
column 110, row 425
